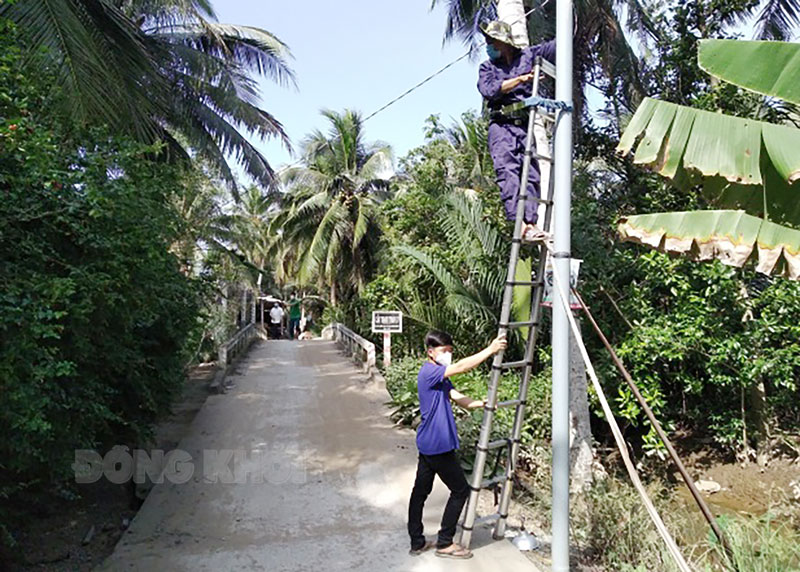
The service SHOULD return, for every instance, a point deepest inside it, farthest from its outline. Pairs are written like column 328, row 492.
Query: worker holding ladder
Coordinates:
column 504, row 79
column 437, row 441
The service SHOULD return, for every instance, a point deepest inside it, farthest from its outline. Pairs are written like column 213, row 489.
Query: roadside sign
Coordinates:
column 387, row 322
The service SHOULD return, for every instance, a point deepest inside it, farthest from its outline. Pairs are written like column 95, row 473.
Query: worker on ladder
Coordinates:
column 506, row 78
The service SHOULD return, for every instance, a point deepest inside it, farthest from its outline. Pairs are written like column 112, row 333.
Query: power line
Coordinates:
column 423, row 82
column 420, row 84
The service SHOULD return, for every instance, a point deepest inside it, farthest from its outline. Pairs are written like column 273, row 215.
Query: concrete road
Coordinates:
column 297, row 468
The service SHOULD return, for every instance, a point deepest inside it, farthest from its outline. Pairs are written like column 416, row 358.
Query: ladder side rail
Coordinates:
column 480, row 458
column 516, row 431
column 491, row 404
column 548, row 68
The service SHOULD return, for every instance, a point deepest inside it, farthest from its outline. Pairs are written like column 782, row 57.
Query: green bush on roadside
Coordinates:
column 95, row 312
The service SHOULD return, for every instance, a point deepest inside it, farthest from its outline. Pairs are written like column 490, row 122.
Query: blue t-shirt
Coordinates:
column 437, row 432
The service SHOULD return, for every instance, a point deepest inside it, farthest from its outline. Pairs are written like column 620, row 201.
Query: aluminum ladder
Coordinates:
column 547, row 110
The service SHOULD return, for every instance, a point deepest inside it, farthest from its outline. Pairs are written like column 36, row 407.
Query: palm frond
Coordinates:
column 464, row 17
column 448, row 280
column 778, row 19
column 102, row 75
column 245, row 46
column 232, row 143
column 324, row 239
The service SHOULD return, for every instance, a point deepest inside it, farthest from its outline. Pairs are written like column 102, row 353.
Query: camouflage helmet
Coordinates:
column 500, row 31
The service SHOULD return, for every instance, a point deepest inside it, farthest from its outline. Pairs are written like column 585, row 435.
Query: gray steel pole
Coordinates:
column 562, row 171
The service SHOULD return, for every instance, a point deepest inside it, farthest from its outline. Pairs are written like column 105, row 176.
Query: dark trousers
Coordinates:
column 507, row 148
column 448, row 468
column 275, row 331
column 294, row 328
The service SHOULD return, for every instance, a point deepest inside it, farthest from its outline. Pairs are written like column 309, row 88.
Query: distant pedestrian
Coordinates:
column 294, row 316
column 276, row 321
column 437, row 441
column 506, row 78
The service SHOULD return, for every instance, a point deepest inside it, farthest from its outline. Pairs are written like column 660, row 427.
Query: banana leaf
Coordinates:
column 741, row 164
column 733, row 237
column 775, row 74
column 747, row 168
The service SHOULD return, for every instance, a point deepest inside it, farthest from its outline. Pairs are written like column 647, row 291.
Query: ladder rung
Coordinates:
column 515, row 364
column 544, row 201
column 509, row 403
column 497, row 444
column 487, row 519
column 490, row 483
column 524, row 283
column 517, row 325
column 543, row 158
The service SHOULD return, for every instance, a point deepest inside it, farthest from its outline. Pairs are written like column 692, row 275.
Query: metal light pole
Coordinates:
column 562, row 195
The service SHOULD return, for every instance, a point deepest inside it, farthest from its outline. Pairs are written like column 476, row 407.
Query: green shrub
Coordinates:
column 401, row 382
column 94, row 310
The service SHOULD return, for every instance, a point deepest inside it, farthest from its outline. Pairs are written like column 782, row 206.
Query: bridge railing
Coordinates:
column 230, row 350
column 239, row 342
column 360, row 350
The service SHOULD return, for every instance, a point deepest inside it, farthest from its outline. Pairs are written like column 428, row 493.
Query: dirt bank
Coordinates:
column 53, row 539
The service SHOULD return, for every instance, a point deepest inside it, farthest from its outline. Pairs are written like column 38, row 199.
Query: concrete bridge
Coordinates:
column 296, row 468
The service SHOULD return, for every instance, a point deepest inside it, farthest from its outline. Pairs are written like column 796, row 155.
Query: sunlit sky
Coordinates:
column 360, row 54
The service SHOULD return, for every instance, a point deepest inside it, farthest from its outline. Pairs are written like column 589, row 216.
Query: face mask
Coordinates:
column 445, row 359
column 492, row 52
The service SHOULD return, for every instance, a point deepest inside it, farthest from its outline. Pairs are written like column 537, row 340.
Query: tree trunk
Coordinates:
column 513, row 12
column 758, row 421
column 581, row 455
column 333, row 294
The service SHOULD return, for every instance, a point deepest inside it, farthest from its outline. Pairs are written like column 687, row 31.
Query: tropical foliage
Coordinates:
column 159, row 71
column 115, row 256
column 741, row 164
column 329, row 225
column 95, row 313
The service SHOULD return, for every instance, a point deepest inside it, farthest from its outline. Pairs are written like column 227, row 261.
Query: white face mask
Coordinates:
column 445, row 358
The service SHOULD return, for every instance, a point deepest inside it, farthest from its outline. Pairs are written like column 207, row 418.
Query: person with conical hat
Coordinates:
column 506, row 78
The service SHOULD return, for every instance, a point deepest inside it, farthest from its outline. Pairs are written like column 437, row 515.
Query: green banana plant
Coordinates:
column 749, row 169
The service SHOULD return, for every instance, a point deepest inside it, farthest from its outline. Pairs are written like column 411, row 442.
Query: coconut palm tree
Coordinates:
column 329, row 227
column 160, row 70
column 469, row 138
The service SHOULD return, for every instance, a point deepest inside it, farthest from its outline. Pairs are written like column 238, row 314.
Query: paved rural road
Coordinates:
column 334, row 475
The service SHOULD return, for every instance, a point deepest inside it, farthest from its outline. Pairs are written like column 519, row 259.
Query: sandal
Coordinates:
column 533, row 233
column 417, row 551
column 457, row 552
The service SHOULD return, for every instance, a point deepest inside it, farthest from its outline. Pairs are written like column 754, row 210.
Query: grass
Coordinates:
column 768, row 543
